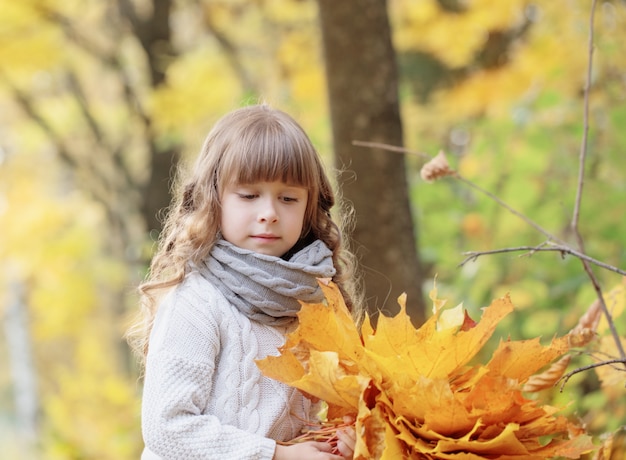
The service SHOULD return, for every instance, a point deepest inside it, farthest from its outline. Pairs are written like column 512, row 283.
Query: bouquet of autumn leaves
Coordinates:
column 413, row 393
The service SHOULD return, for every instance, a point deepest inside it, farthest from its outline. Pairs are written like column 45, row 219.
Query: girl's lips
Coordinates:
column 267, row 237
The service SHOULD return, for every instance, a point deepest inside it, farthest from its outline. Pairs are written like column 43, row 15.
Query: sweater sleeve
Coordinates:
column 184, row 347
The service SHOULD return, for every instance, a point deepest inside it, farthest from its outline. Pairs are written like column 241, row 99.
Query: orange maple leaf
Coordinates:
column 414, row 392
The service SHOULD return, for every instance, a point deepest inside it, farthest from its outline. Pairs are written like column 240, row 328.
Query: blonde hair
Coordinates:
column 248, row 145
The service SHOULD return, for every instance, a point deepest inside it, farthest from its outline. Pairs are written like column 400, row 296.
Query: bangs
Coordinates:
column 269, row 150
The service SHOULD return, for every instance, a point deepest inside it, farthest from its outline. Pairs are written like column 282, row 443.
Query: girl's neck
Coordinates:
column 301, row 244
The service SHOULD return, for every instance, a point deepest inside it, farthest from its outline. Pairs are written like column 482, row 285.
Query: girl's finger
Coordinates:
column 346, row 442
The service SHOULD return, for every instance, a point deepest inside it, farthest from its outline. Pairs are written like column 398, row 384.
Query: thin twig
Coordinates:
column 509, row 208
column 554, row 243
column 608, row 362
column 583, row 145
column 545, row 247
column 390, row 148
column 579, row 190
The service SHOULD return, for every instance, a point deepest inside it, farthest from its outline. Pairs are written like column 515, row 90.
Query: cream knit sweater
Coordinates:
column 204, row 397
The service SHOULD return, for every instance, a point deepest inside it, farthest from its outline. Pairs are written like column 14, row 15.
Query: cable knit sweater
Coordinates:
column 204, row 397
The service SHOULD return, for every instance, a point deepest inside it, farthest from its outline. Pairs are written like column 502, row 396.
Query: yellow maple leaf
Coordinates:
column 413, row 391
column 328, row 327
column 521, row 359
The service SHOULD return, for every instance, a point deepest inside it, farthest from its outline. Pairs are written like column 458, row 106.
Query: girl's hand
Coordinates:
column 346, row 439
column 309, row 450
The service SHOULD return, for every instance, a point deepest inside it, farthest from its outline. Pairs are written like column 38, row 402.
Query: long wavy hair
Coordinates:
column 251, row 144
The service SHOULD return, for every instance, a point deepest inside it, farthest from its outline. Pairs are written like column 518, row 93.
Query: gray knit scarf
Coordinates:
column 267, row 288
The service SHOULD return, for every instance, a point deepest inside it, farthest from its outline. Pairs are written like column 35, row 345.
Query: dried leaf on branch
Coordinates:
column 414, row 392
column 436, row 168
column 593, row 329
column 549, row 378
column 585, row 330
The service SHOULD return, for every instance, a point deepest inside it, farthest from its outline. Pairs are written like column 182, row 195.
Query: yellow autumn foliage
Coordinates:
column 28, row 47
column 415, row 392
column 426, row 26
column 185, row 97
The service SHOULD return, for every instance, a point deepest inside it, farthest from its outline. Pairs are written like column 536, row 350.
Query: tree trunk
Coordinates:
column 154, row 34
column 23, row 373
column 362, row 80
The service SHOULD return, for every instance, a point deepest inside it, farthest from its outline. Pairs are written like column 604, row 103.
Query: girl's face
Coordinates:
column 264, row 217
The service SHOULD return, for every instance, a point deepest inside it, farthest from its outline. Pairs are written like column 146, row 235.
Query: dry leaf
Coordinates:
column 585, row 331
column 548, row 378
column 593, row 321
column 436, row 168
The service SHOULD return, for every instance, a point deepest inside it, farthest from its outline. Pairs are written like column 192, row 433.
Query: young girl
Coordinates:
column 249, row 233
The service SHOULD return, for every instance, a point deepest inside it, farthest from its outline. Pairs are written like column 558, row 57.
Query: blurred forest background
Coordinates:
column 99, row 99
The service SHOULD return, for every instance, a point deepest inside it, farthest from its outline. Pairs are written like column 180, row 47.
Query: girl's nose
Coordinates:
column 268, row 213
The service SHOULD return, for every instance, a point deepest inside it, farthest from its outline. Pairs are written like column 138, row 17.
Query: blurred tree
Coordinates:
column 150, row 26
column 21, row 364
column 363, row 95
column 106, row 82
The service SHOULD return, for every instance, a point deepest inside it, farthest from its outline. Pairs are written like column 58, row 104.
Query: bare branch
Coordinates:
column 390, row 148
column 553, row 244
column 457, row 176
column 581, row 174
column 109, row 59
column 544, row 247
column 128, row 10
column 70, row 32
column 115, row 154
column 578, row 370
column 81, row 99
column 583, row 144
column 97, row 186
column 530, row 222
column 29, row 109
column 232, row 55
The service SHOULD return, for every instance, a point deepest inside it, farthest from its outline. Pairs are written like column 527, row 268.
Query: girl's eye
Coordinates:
column 288, row 199
column 247, row 196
